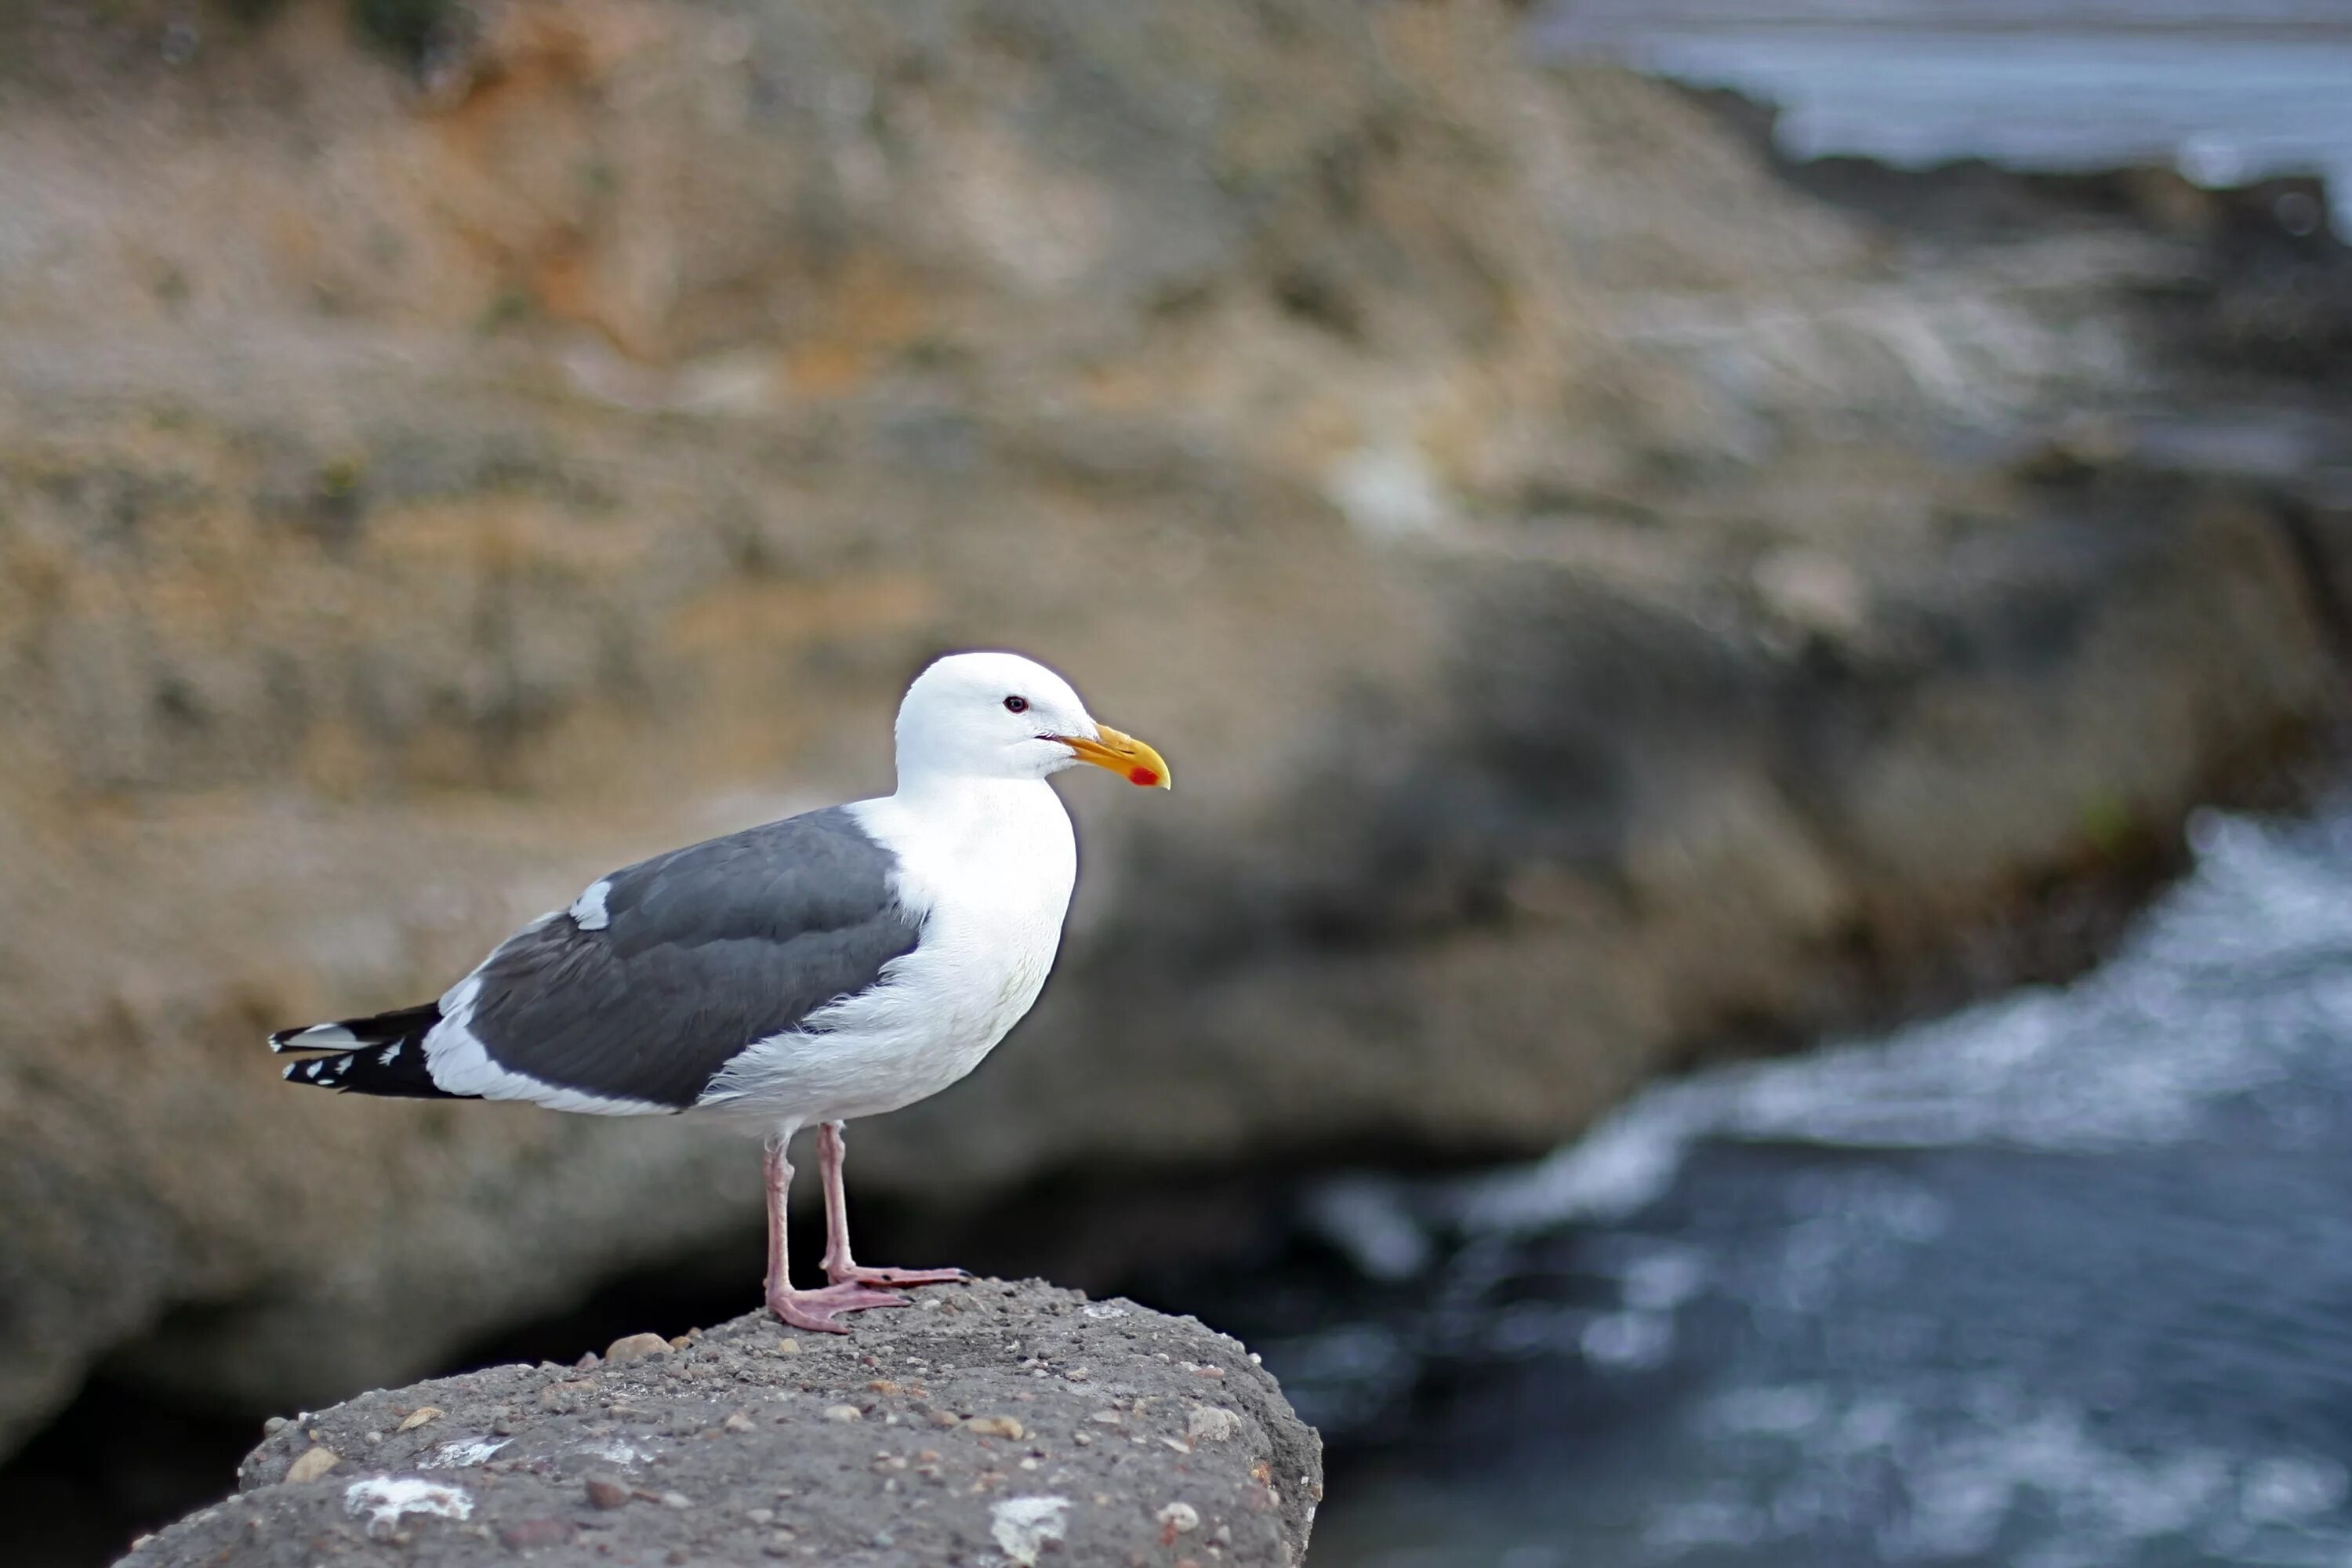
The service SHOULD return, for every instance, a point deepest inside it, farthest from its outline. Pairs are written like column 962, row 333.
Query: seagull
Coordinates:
column 839, row 963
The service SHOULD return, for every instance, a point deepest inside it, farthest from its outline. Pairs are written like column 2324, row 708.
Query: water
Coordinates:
column 2061, row 1282
column 2227, row 91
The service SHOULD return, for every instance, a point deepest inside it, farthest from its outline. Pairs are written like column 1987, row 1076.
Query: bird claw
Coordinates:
column 816, row 1310
column 878, row 1277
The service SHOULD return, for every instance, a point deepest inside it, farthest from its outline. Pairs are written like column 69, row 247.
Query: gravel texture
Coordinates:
column 990, row 1424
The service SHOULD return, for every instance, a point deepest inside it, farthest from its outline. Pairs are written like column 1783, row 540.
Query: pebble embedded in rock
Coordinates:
column 635, row 1348
column 995, row 1426
column 310, row 1465
column 1211, row 1424
column 605, row 1493
column 844, row 1413
column 543, row 1529
column 418, row 1417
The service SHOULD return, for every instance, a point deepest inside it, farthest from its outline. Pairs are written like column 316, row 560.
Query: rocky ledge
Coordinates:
column 995, row 1424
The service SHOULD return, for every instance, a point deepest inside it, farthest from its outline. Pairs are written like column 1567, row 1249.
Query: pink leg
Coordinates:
column 831, row 1146
column 812, row 1309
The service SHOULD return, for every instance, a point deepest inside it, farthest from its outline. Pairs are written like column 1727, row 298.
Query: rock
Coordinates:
column 1544, row 541
column 543, row 1529
column 311, row 1464
column 797, row 1482
column 635, row 1348
column 1211, row 1424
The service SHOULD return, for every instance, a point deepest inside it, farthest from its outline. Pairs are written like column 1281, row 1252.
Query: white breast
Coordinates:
column 988, row 868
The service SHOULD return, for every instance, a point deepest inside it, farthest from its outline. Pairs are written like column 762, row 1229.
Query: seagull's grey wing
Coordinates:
column 664, row 971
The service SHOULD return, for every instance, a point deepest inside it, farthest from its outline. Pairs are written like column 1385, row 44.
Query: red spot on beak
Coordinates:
column 1143, row 776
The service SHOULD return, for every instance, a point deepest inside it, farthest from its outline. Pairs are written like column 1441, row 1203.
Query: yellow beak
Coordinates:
column 1122, row 754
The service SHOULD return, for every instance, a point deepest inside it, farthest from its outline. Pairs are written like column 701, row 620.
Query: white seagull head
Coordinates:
column 1001, row 715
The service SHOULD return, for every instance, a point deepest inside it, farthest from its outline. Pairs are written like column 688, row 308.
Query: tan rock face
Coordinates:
column 1518, row 520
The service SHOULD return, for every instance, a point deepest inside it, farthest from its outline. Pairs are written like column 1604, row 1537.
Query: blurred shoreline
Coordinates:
column 2078, row 87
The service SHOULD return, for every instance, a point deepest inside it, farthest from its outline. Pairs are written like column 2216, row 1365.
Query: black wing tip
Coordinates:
column 381, row 1054
column 357, row 1034
column 397, row 1071
column 323, row 1072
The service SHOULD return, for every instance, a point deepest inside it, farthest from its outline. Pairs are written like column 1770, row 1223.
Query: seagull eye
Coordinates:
column 1016, row 705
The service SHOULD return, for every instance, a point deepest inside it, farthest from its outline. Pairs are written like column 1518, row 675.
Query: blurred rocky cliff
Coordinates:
column 1598, row 601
